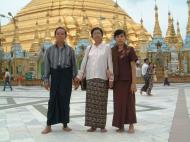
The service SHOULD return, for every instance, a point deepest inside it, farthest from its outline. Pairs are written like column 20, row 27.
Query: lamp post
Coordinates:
column 1, row 34
column 13, row 18
column 10, row 17
column 1, row 45
column 15, row 40
column 15, row 27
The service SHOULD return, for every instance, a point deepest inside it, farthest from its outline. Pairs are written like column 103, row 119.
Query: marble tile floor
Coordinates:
column 23, row 116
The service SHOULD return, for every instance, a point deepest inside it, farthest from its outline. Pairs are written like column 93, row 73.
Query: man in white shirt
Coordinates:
column 144, row 70
column 7, row 80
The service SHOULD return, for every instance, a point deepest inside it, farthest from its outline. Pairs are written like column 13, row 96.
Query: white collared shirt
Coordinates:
column 99, row 61
column 7, row 74
column 144, row 68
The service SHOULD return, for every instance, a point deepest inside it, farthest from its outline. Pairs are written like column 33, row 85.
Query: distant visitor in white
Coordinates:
column 7, row 79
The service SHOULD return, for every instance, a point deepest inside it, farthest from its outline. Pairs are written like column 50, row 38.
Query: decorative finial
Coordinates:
column 169, row 13
column 177, row 22
column 116, row 4
column 156, row 7
column 141, row 21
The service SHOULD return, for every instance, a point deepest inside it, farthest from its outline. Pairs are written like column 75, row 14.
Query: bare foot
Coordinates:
column 131, row 129
column 120, row 130
column 46, row 130
column 92, row 129
column 103, row 130
column 67, row 129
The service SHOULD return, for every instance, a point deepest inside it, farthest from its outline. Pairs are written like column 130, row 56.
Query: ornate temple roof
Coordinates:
column 157, row 43
column 78, row 16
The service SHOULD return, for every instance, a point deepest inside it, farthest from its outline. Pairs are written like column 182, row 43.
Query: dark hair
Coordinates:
column 96, row 28
column 119, row 32
column 146, row 59
column 60, row 28
column 6, row 69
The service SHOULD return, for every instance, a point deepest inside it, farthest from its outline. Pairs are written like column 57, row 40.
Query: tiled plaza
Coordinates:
column 23, row 116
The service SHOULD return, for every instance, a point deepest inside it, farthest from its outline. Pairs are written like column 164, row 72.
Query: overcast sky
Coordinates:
column 135, row 8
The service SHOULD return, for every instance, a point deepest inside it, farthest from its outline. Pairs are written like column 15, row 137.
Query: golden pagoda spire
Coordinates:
column 77, row 26
column 171, row 37
column 35, row 45
column 169, row 25
column 84, row 34
column 1, row 37
column 77, row 33
column 59, row 20
column 157, row 30
column 188, row 25
column 36, row 35
column 125, row 28
column 47, row 32
column 115, row 20
column 173, row 33
column 101, row 18
column 179, row 37
column 16, row 36
column 142, row 36
column 178, row 32
column 116, row 4
column 128, row 32
column 141, row 22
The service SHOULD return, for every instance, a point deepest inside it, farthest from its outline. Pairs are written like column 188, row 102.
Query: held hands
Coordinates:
column 133, row 88
column 76, row 83
column 110, row 84
column 46, row 85
column 110, row 77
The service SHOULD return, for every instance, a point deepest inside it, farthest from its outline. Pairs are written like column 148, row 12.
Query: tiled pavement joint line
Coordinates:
column 11, row 101
column 24, row 97
column 23, row 104
column 43, row 110
column 180, row 130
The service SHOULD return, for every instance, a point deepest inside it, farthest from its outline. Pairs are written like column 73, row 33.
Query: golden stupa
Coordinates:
column 171, row 37
column 37, row 21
